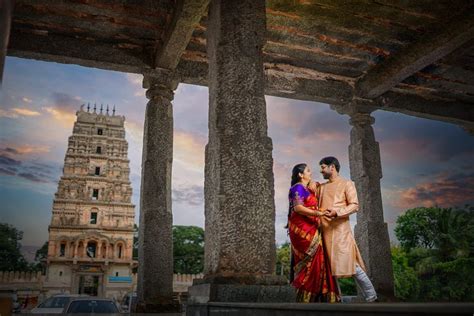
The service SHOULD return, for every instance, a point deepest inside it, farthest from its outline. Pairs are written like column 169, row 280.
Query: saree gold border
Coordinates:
column 310, row 252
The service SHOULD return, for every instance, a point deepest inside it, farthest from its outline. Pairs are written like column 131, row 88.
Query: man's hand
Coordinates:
column 331, row 213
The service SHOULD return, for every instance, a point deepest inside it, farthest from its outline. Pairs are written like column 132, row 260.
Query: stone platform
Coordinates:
column 294, row 309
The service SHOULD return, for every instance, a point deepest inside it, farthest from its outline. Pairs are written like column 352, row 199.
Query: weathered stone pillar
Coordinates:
column 371, row 232
column 98, row 250
column 155, row 252
column 84, row 249
column 239, row 192
column 6, row 9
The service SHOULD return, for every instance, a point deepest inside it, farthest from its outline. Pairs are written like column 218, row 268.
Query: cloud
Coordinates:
column 18, row 112
column 10, row 150
column 189, row 148
column 443, row 191
column 63, row 108
column 405, row 139
column 66, row 118
column 308, row 120
column 32, row 177
column 27, row 100
column 25, row 112
column 189, row 194
column 5, row 160
column 7, row 171
column 27, row 169
column 8, row 113
column 25, row 149
column 136, row 81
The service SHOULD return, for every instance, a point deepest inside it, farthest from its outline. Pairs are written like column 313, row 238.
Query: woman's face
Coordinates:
column 306, row 175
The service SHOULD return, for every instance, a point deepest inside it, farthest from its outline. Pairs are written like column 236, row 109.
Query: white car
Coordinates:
column 55, row 304
column 91, row 305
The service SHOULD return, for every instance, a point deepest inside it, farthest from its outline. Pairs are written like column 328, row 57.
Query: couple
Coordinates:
column 322, row 245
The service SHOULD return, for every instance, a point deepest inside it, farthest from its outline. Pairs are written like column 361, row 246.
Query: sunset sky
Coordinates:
column 424, row 162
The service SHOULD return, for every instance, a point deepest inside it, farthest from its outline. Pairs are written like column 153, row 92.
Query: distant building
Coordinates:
column 91, row 232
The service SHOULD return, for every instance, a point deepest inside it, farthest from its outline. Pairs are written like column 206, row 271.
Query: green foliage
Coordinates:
column 11, row 258
column 348, row 286
column 40, row 259
column 42, row 253
column 415, row 228
column 283, row 260
column 437, row 248
column 188, row 249
column 407, row 284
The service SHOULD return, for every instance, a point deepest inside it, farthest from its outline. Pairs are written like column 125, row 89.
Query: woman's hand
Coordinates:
column 319, row 213
column 313, row 186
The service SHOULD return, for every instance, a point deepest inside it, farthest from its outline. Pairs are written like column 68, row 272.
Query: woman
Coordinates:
column 310, row 268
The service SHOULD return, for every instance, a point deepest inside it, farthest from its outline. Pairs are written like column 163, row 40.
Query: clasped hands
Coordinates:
column 329, row 213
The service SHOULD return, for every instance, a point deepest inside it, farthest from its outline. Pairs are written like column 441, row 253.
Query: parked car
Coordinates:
column 55, row 304
column 129, row 302
column 91, row 305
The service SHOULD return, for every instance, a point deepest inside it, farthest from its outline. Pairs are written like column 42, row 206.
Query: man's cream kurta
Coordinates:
column 340, row 195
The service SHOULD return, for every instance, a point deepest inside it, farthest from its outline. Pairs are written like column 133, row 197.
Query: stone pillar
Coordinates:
column 6, row 9
column 371, row 231
column 98, row 250
column 155, row 252
column 239, row 192
column 84, row 250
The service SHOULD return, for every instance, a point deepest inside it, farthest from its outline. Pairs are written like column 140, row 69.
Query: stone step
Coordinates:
column 323, row 309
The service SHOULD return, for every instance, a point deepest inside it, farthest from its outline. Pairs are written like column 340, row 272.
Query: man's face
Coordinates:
column 326, row 171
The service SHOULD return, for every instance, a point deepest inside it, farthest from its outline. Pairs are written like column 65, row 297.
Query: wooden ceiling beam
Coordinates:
column 186, row 17
column 386, row 75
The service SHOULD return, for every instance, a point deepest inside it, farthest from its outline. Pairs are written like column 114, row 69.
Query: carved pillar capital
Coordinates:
column 159, row 87
column 361, row 119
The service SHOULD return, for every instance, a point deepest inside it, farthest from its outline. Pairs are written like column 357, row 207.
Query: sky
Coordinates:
column 424, row 162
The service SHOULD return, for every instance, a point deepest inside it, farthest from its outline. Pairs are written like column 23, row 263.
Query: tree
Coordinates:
column 415, row 228
column 42, row 253
column 407, row 284
column 11, row 258
column 188, row 249
column 283, row 260
column 40, row 259
column 439, row 246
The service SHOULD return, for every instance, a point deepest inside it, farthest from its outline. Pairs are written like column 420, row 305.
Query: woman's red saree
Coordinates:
column 310, row 264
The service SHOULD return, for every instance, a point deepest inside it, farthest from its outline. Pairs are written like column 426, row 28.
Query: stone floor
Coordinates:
column 293, row 309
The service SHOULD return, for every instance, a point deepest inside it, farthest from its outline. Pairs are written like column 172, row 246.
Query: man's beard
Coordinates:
column 326, row 176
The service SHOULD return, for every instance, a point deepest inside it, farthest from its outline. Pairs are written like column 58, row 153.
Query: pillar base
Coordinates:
column 374, row 244
column 160, row 306
column 241, row 289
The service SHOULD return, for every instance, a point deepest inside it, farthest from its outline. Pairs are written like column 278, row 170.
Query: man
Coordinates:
column 338, row 198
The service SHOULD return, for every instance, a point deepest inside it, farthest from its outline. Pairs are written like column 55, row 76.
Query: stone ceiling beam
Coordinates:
column 424, row 52
column 339, row 92
column 70, row 50
column 450, row 111
column 62, row 49
column 187, row 16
